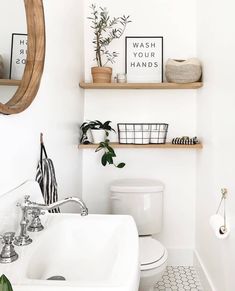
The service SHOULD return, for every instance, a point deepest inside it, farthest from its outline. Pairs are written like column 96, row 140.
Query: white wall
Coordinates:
column 57, row 110
column 216, row 121
column 176, row 21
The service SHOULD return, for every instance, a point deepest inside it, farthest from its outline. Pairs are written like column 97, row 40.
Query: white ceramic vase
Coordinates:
column 98, row 135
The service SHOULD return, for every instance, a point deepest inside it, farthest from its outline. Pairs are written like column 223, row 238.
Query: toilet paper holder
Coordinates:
column 224, row 192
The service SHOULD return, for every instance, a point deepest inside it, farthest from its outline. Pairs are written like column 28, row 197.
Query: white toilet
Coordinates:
column 143, row 199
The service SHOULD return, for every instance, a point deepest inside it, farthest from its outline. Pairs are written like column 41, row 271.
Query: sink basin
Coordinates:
column 96, row 252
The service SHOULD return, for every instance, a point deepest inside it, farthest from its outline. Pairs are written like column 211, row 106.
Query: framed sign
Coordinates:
column 18, row 55
column 144, row 59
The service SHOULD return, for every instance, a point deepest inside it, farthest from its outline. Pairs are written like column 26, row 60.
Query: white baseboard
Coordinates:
column 202, row 273
column 180, row 257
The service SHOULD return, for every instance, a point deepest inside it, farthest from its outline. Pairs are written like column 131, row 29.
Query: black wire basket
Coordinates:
column 142, row 133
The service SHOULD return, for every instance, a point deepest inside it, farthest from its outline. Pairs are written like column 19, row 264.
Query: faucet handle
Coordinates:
column 36, row 224
column 36, row 212
column 7, row 238
column 18, row 204
column 8, row 253
column 26, row 198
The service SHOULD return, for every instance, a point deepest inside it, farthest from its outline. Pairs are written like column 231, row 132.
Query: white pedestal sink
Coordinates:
column 92, row 253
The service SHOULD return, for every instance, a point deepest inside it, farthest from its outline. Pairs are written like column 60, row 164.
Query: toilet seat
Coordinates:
column 152, row 253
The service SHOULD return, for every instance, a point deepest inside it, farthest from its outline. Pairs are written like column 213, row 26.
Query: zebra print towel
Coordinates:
column 47, row 180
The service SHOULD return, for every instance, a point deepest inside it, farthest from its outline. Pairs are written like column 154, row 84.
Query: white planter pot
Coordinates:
column 98, row 135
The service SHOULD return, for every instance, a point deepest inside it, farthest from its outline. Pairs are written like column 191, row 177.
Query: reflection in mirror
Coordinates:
column 6, row 93
column 11, row 10
column 29, row 85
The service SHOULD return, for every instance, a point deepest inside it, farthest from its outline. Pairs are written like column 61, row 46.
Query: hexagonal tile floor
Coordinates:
column 180, row 279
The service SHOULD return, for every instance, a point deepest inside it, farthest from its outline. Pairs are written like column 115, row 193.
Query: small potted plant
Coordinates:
column 106, row 29
column 99, row 131
column 96, row 127
column 5, row 284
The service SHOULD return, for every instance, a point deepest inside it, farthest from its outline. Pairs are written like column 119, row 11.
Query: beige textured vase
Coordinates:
column 183, row 71
column 101, row 74
column 1, row 67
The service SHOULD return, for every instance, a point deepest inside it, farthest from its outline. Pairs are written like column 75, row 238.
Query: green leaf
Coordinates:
column 5, row 284
column 109, row 154
column 103, row 144
column 109, row 159
column 104, row 160
column 98, row 149
column 121, row 165
column 110, row 149
column 107, row 123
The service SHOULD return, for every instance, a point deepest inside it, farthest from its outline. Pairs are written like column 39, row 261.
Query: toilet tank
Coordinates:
column 140, row 198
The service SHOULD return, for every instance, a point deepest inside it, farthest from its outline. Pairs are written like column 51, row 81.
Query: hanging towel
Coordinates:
column 46, row 178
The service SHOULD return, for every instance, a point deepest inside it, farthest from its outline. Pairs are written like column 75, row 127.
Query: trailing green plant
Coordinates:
column 106, row 29
column 5, row 284
column 108, row 155
column 94, row 124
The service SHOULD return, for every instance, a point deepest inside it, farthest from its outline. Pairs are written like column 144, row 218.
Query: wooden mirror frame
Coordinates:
column 29, row 85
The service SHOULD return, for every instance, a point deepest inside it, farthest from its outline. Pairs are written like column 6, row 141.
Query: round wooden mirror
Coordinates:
column 29, row 85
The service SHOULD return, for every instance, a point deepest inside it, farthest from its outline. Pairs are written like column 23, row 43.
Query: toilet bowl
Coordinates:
column 153, row 262
column 143, row 199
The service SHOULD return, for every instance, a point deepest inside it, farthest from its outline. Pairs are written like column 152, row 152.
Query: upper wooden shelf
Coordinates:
column 195, row 85
column 7, row 82
column 147, row 146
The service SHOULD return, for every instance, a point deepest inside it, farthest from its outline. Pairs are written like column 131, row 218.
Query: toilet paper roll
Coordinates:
column 217, row 223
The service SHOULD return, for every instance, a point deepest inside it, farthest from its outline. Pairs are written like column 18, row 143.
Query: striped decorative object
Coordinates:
column 185, row 140
column 47, row 180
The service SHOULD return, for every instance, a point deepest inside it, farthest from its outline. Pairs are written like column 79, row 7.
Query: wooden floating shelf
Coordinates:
column 7, row 82
column 147, row 86
column 144, row 146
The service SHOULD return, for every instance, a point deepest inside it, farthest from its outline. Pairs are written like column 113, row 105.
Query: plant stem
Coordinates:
column 98, row 54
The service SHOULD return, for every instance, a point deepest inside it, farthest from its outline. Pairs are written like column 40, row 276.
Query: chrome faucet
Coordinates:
column 84, row 209
column 36, row 209
column 23, row 239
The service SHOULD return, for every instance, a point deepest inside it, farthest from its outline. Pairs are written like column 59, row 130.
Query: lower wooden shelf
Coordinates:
column 7, row 82
column 145, row 146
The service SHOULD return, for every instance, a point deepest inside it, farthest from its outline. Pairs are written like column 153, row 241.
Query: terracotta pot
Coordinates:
column 101, row 74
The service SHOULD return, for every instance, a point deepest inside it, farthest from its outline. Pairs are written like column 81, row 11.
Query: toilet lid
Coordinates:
column 137, row 186
column 151, row 250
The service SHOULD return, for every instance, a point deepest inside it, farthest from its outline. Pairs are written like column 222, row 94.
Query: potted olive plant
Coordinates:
column 105, row 29
column 5, row 284
column 102, row 141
